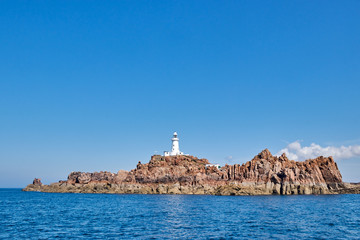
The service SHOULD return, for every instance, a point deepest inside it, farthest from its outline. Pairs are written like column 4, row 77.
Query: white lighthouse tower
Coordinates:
column 175, row 147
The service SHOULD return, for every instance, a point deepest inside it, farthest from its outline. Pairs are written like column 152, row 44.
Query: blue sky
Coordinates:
column 101, row 85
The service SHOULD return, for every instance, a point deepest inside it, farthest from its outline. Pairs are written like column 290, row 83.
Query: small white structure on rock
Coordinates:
column 212, row 165
column 175, row 147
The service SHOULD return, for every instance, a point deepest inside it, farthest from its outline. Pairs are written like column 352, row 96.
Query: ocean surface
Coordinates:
column 34, row 215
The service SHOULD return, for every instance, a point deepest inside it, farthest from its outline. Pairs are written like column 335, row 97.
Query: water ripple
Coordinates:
column 34, row 215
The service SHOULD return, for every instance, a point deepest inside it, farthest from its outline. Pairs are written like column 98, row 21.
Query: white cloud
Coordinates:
column 229, row 159
column 295, row 151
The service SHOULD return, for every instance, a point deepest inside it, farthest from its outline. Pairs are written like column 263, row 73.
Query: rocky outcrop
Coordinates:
column 37, row 182
column 264, row 174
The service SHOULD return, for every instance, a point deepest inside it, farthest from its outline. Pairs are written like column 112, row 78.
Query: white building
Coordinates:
column 175, row 147
column 212, row 165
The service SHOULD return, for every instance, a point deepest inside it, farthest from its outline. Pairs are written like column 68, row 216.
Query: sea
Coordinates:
column 36, row 215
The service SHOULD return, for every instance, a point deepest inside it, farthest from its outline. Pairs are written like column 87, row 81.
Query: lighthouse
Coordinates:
column 175, row 147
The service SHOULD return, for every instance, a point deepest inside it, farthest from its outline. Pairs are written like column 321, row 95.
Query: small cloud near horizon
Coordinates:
column 229, row 159
column 295, row 151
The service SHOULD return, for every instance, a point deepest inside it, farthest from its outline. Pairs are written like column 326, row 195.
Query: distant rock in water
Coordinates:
column 265, row 174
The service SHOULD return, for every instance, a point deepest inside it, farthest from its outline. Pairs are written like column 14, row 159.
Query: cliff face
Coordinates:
column 264, row 174
column 267, row 168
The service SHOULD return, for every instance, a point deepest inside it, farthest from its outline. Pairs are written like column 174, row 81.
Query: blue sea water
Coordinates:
column 34, row 215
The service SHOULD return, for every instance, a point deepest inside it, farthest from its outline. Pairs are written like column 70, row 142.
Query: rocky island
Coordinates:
column 265, row 174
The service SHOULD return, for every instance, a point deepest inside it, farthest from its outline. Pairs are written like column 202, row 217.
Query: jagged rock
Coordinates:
column 264, row 174
column 37, row 182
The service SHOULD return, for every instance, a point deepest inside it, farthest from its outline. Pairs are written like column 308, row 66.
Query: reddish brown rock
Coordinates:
column 84, row 178
column 264, row 174
column 37, row 182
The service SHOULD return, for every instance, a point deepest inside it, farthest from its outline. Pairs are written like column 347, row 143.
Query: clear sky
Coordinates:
column 101, row 85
